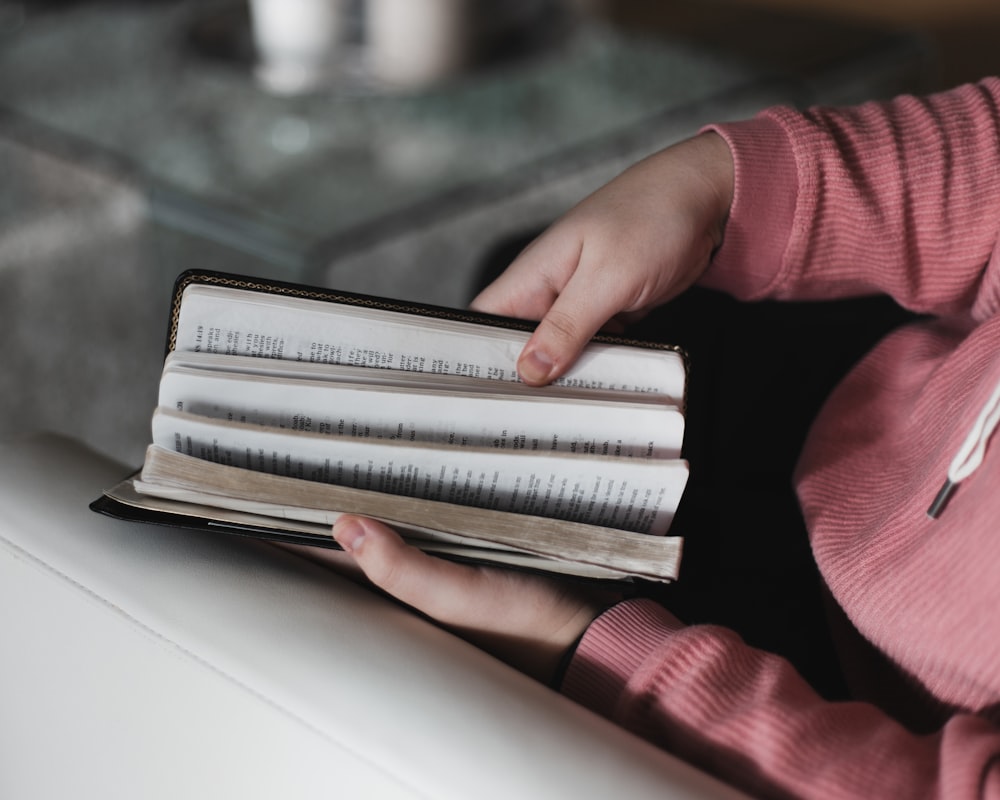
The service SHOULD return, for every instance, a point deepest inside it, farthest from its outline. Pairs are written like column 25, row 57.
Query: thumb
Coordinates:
column 574, row 317
column 523, row 620
column 431, row 585
column 567, row 287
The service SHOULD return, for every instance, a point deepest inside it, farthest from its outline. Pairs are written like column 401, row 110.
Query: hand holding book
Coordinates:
column 525, row 620
column 631, row 246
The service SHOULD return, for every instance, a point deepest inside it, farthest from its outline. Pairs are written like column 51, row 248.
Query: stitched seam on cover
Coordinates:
column 274, row 704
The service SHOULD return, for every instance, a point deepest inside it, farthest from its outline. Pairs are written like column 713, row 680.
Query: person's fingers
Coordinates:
column 589, row 300
column 431, row 585
column 567, row 279
column 549, row 282
column 528, row 286
column 524, row 620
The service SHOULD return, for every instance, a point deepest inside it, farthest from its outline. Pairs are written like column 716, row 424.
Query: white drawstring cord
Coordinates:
column 970, row 454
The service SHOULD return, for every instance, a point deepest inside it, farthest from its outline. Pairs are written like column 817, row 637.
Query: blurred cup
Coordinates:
column 297, row 42
column 413, row 43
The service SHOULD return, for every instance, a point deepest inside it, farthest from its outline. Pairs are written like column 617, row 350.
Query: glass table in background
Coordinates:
column 371, row 188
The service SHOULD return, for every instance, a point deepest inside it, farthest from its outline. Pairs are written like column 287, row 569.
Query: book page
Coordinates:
column 290, row 503
column 237, row 516
column 221, row 320
column 395, row 413
column 626, row 493
column 406, row 380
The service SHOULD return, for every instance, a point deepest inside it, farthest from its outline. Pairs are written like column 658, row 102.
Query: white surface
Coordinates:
column 153, row 662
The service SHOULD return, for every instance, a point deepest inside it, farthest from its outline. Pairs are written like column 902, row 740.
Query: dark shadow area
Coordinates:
column 959, row 38
column 796, row 42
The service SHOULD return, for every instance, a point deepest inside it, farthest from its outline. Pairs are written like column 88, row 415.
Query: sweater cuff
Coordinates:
column 613, row 649
column 750, row 262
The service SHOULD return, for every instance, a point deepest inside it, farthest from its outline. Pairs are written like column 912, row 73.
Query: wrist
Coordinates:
column 569, row 651
column 715, row 163
column 694, row 184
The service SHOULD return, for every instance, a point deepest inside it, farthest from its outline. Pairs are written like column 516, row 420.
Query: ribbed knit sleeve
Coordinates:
column 833, row 202
column 748, row 716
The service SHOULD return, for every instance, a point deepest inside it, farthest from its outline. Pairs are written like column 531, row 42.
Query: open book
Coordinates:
column 282, row 406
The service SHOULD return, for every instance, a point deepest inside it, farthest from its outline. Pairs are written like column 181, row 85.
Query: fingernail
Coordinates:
column 535, row 366
column 348, row 533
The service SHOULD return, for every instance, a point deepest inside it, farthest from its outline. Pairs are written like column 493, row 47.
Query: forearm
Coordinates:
column 702, row 693
column 901, row 198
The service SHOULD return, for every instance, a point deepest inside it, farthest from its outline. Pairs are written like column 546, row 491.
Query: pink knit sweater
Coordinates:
column 901, row 198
